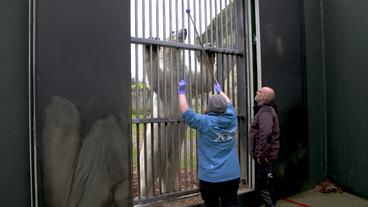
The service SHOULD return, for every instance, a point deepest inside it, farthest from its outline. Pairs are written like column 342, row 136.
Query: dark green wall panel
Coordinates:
column 316, row 91
column 283, row 68
column 347, row 97
column 14, row 159
column 83, row 103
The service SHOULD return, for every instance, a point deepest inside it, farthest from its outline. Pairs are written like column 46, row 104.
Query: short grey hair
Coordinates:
column 216, row 104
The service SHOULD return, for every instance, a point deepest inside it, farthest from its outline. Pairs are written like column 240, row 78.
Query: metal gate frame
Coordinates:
column 245, row 82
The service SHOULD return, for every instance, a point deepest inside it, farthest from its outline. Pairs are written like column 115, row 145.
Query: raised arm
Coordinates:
column 183, row 103
column 218, row 89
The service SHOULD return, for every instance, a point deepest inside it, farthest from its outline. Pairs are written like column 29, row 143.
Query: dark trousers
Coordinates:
column 264, row 183
column 213, row 193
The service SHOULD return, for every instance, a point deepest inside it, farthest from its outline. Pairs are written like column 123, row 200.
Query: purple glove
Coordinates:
column 218, row 88
column 182, row 85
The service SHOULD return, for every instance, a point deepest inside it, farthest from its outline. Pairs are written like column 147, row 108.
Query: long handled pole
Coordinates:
column 203, row 51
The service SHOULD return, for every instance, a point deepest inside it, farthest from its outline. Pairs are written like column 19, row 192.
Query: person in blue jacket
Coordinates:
column 218, row 165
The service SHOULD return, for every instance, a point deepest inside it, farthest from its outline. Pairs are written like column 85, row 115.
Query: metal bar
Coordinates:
column 218, row 41
column 201, row 66
column 153, row 157
column 170, row 44
column 138, row 162
column 205, row 54
column 233, row 70
column 150, row 17
column 171, row 56
column 172, row 146
column 228, row 71
column 137, row 103
column 166, row 154
column 157, row 19
column 231, row 6
column 221, row 23
column 211, row 26
column 227, row 7
column 32, row 133
column 258, row 44
column 165, row 197
column 179, row 153
column 143, row 19
column 158, row 81
column 145, row 158
column 159, row 160
column 233, row 78
column 152, row 110
column 250, row 85
column 236, row 23
column 205, row 19
column 177, row 17
column 164, row 57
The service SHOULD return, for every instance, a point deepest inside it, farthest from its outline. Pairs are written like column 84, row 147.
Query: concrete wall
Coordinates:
column 14, row 159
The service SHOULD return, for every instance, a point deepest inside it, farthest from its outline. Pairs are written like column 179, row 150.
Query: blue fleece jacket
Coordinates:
column 217, row 154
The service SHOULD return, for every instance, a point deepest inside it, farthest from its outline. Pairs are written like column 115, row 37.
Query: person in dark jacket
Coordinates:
column 218, row 164
column 264, row 142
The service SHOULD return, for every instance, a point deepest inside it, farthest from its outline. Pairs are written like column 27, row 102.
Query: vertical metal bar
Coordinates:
column 172, row 148
column 190, row 91
column 233, row 70
column 145, row 158
column 211, row 21
column 143, row 20
column 164, row 50
column 227, row 7
column 137, row 103
column 196, row 88
column 176, row 20
column 222, row 12
column 166, row 154
column 138, row 162
column 179, row 153
column 32, row 135
column 205, row 19
column 150, row 17
column 158, row 60
column 202, row 74
column 164, row 19
column 232, row 17
column 151, row 99
column 236, row 23
column 171, row 59
column 218, row 42
column 144, row 66
column 241, row 85
column 153, row 155
column 258, row 44
column 159, row 160
column 228, row 71
column 250, row 85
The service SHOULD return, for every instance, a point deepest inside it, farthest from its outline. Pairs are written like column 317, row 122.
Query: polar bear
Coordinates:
column 164, row 68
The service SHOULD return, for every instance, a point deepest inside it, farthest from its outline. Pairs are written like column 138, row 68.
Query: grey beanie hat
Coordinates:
column 217, row 104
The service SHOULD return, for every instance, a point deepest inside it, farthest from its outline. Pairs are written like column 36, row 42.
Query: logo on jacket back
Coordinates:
column 225, row 136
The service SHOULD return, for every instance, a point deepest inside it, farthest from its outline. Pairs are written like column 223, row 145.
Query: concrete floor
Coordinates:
column 316, row 199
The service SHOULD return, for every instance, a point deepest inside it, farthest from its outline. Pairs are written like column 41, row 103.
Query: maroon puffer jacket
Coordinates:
column 265, row 132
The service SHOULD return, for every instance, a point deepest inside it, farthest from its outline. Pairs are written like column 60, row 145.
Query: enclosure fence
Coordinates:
column 164, row 50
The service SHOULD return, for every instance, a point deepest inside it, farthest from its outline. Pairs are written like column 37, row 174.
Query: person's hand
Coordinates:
column 218, row 88
column 182, row 85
